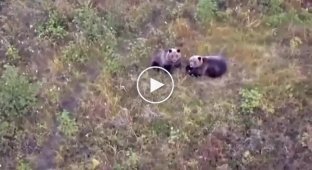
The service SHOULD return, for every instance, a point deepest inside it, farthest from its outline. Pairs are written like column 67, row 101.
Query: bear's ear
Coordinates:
column 178, row 50
column 199, row 58
column 169, row 50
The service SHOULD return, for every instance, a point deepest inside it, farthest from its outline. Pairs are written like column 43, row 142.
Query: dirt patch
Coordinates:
column 305, row 60
column 95, row 108
column 29, row 145
column 92, row 70
column 283, row 133
column 69, row 103
column 49, row 149
column 46, row 158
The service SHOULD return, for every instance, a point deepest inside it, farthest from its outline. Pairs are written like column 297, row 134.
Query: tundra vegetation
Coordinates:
column 68, row 97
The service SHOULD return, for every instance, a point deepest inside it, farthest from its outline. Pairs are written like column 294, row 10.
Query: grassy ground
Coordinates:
column 68, row 86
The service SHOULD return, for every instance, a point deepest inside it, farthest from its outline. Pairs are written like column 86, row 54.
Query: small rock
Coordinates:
column 247, row 157
column 95, row 163
column 246, row 154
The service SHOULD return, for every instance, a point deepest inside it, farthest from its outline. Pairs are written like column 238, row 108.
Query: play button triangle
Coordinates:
column 154, row 85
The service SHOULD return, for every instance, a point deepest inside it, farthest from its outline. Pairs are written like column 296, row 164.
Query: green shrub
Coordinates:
column 132, row 160
column 276, row 15
column 68, row 126
column 17, row 98
column 206, row 10
column 112, row 66
column 251, row 99
column 17, row 94
column 54, row 27
column 161, row 127
column 12, row 55
column 94, row 27
column 24, row 165
column 292, row 16
column 76, row 53
column 274, row 7
column 277, row 19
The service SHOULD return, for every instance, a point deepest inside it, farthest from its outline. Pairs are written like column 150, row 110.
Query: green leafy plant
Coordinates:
column 17, row 94
column 206, row 10
column 67, row 125
column 24, row 165
column 161, row 127
column 54, row 27
column 12, row 55
column 273, row 7
column 176, row 135
column 292, row 16
column 133, row 159
column 276, row 15
column 112, row 66
column 76, row 53
column 251, row 99
column 17, row 98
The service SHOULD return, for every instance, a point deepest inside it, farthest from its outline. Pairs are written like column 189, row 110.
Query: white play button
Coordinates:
column 154, row 85
column 149, row 81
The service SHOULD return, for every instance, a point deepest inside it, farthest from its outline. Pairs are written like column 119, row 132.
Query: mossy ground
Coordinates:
column 86, row 56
